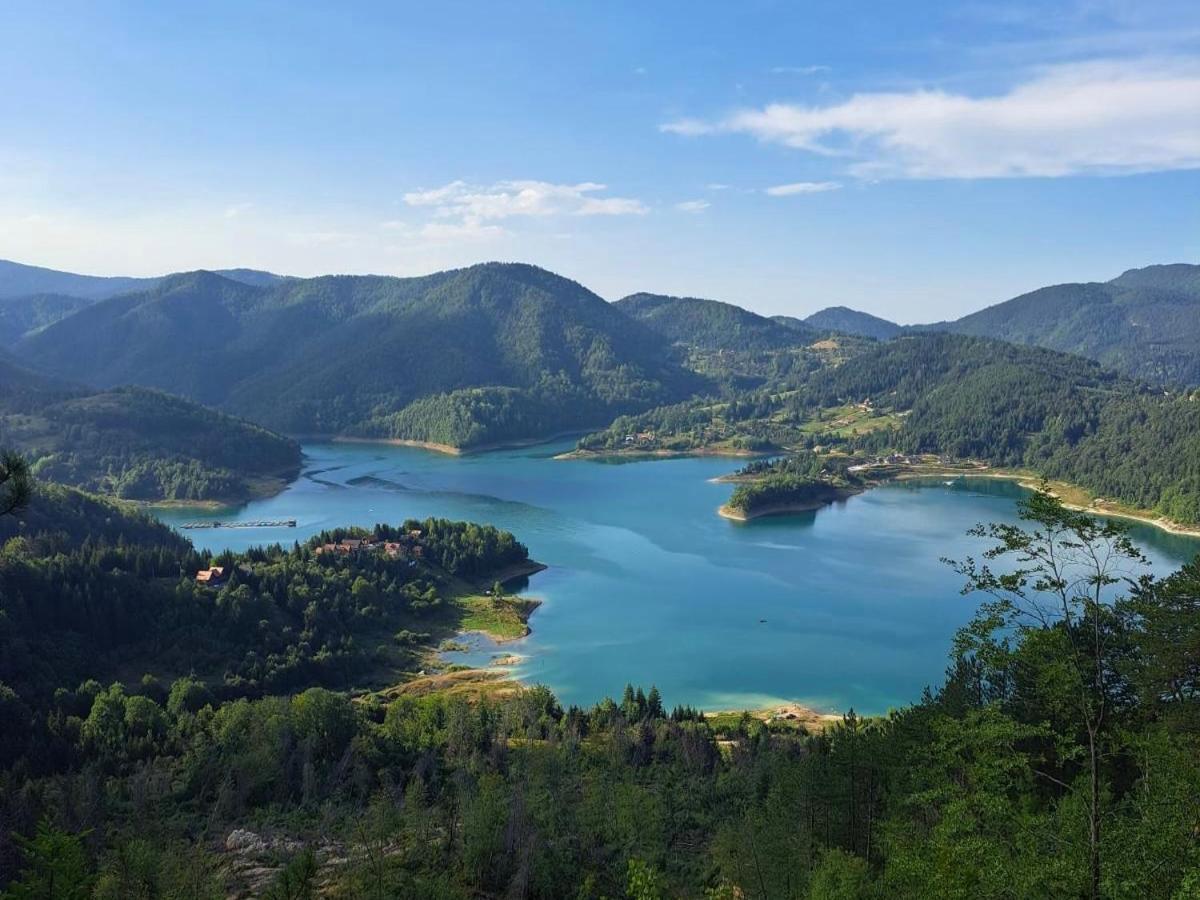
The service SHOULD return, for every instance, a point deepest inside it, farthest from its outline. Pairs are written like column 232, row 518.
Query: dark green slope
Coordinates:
column 21, row 315
column 1145, row 323
column 850, row 321
column 711, row 324
column 1060, row 415
column 18, row 280
column 493, row 352
column 137, row 443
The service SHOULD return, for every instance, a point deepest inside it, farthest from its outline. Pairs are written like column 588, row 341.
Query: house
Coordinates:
column 214, row 577
column 394, row 549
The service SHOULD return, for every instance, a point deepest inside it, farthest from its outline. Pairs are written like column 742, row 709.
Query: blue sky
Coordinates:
column 914, row 160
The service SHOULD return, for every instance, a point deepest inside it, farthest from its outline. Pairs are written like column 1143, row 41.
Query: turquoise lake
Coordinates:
column 845, row 607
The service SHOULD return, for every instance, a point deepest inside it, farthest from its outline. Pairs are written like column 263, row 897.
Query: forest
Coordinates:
column 1059, row 758
column 138, row 444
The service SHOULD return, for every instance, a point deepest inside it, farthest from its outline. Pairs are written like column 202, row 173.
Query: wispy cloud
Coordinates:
column 506, row 199
column 1101, row 117
column 237, row 209
column 693, row 206
column 801, row 187
column 798, row 70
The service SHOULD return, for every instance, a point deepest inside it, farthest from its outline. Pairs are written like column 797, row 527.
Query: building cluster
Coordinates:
column 407, row 547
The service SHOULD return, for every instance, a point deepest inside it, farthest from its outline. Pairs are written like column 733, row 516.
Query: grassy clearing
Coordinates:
column 502, row 618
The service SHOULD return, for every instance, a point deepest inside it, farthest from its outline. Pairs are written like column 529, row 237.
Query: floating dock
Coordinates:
column 261, row 523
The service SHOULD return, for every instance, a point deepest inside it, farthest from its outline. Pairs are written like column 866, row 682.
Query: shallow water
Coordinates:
column 845, row 607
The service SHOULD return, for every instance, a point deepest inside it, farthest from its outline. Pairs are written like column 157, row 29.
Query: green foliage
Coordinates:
column 710, row 324
column 1145, row 323
column 55, row 867
column 501, row 351
column 136, row 443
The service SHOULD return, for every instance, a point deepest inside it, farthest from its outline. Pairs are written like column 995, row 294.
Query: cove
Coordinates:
column 845, row 607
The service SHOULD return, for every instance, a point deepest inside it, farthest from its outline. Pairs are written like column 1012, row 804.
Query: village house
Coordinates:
column 214, row 577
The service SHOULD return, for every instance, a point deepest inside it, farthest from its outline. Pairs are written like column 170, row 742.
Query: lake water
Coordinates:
column 845, row 607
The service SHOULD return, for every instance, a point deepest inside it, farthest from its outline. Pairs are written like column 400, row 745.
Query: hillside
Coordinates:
column 20, row 280
column 851, row 321
column 710, row 324
column 1145, row 323
column 494, row 352
column 1055, row 414
column 136, row 443
column 22, row 315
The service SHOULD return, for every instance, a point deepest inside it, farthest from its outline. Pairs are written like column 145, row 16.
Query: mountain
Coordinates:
column 20, row 280
column 494, row 352
column 21, row 315
column 1145, row 322
column 850, row 321
column 710, row 324
column 137, row 443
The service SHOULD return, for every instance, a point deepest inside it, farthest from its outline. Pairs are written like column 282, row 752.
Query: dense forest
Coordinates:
column 348, row 355
column 138, row 444
column 1060, row 758
column 89, row 590
column 1144, row 323
column 711, row 324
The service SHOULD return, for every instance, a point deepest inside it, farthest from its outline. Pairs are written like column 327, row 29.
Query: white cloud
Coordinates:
column 693, row 206
column 1084, row 118
column 506, row 199
column 801, row 187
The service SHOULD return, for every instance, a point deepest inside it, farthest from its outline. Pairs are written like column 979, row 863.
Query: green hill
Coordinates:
column 137, row 443
column 849, row 321
column 710, row 324
column 1059, row 415
column 492, row 353
column 1145, row 323
column 21, row 315
column 18, row 280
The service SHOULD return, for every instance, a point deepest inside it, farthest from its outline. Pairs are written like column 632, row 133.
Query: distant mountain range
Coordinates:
column 495, row 352
column 32, row 297
column 498, row 353
column 1144, row 323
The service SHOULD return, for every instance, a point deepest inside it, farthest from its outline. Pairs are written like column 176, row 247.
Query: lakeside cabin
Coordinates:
column 213, row 577
column 407, row 546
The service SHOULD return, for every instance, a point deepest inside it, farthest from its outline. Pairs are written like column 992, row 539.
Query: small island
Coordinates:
column 792, row 484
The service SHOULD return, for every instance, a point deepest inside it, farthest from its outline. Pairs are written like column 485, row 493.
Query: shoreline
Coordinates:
column 450, row 449
column 1032, row 482
column 787, row 508
column 663, row 454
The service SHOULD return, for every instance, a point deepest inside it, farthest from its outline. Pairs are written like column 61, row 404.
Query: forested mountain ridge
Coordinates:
column 1057, row 414
column 849, row 321
column 493, row 352
column 21, row 280
column 711, row 324
column 1145, row 322
column 138, row 443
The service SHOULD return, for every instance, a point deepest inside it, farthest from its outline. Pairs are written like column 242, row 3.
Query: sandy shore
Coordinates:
column 450, row 449
column 663, row 454
column 1032, row 482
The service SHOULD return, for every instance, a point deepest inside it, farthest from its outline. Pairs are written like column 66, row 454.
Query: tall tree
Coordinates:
column 1063, row 588
column 16, row 483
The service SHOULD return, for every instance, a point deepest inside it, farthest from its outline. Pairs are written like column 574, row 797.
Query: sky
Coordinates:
column 914, row 160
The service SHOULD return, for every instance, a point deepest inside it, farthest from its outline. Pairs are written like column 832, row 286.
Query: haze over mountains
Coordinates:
column 499, row 352
column 493, row 352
